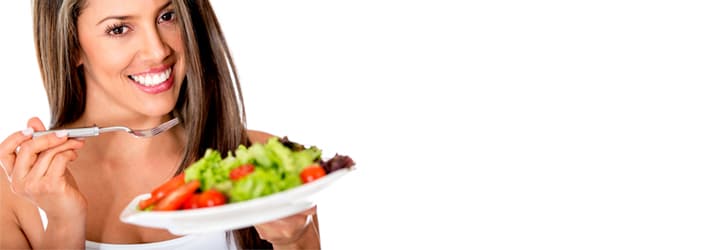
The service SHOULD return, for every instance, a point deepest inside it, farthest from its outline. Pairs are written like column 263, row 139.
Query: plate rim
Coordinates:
column 131, row 215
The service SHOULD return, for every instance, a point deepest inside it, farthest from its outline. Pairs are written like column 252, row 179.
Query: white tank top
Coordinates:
column 189, row 242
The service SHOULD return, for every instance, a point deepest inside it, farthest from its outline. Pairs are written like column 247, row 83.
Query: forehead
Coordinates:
column 95, row 10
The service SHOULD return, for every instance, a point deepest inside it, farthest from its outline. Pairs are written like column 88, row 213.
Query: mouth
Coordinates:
column 151, row 79
column 155, row 80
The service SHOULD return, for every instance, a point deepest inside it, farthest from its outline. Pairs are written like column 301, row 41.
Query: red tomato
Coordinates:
column 241, row 171
column 211, row 198
column 161, row 191
column 175, row 199
column 191, row 202
column 311, row 173
column 143, row 204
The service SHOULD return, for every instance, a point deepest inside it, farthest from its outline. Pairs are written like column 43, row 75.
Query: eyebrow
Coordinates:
column 127, row 17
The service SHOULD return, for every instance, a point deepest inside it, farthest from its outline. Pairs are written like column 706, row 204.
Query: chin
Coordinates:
column 158, row 109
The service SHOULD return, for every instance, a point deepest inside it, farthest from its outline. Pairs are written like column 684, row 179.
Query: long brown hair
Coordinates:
column 210, row 104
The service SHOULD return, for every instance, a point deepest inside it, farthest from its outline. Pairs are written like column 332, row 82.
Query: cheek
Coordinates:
column 173, row 40
column 107, row 60
column 172, row 37
column 115, row 65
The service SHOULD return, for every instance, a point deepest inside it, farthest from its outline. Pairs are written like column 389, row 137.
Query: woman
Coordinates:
column 135, row 63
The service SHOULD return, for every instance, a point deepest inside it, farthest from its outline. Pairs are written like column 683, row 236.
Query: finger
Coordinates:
column 295, row 218
column 310, row 211
column 9, row 145
column 58, row 166
column 36, row 124
column 27, row 155
column 302, row 215
column 33, row 124
column 45, row 158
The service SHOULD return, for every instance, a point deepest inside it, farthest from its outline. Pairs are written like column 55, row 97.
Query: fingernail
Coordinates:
column 61, row 133
column 27, row 131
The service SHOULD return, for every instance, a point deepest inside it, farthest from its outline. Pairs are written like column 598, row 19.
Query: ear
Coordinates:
column 78, row 54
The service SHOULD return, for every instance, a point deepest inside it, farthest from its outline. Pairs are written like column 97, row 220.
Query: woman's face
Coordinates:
column 133, row 56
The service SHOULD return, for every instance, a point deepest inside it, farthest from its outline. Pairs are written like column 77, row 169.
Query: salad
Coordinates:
column 244, row 174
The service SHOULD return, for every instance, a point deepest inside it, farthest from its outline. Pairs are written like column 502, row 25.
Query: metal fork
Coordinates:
column 95, row 131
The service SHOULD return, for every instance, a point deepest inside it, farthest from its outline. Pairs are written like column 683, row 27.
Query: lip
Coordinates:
column 159, row 88
column 159, row 69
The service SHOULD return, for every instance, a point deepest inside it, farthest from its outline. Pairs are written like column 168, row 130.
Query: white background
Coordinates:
column 474, row 124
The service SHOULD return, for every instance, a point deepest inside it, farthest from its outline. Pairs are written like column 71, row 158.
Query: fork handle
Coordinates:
column 72, row 132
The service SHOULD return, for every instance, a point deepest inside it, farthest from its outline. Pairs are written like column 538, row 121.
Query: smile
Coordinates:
column 151, row 79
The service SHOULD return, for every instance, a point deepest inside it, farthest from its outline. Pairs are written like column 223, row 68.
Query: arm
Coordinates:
column 12, row 236
column 35, row 176
column 21, row 225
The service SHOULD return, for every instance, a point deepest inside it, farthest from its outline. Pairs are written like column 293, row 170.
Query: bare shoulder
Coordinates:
column 258, row 136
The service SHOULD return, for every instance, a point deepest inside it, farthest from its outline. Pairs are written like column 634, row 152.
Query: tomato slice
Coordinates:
column 175, row 199
column 211, row 198
column 143, row 204
column 191, row 202
column 242, row 171
column 161, row 191
column 311, row 173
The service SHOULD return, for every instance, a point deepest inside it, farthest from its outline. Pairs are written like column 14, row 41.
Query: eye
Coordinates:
column 167, row 17
column 117, row 29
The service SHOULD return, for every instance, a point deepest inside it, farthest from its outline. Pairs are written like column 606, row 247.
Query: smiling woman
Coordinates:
column 131, row 56
column 134, row 63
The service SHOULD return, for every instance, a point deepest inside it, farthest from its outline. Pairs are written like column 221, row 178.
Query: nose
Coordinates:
column 154, row 49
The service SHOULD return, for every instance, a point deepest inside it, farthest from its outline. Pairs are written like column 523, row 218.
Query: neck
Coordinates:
column 124, row 151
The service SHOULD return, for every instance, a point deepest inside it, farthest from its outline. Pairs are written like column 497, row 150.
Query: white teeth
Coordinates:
column 152, row 79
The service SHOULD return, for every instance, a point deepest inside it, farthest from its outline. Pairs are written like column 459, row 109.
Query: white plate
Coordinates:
column 233, row 215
